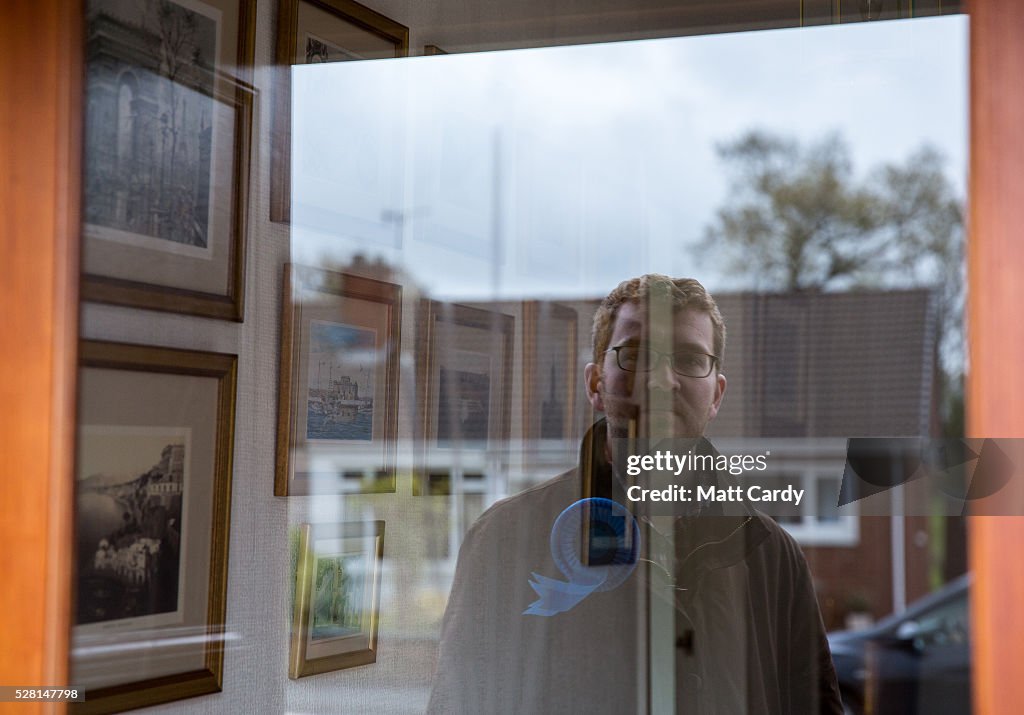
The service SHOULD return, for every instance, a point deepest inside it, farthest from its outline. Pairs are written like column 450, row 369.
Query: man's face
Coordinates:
column 662, row 402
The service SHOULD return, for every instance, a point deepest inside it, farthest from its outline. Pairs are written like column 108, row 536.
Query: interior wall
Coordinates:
column 260, row 570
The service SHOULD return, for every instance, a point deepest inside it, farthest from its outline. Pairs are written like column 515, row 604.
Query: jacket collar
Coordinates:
column 708, row 541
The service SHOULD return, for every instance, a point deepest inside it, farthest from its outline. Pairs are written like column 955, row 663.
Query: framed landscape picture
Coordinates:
column 465, row 378
column 166, row 159
column 153, row 490
column 337, row 597
column 314, row 31
column 338, row 404
column 550, row 371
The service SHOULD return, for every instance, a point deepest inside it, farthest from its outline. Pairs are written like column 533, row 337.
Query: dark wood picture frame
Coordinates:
column 323, row 302
column 232, row 88
column 549, row 404
column 160, row 362
column 344, row 11
column 438, row 328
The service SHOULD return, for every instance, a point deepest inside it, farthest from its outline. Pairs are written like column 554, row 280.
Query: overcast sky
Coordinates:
column 581, row 166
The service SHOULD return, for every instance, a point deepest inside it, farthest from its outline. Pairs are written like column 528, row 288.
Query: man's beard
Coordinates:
column 651, row 424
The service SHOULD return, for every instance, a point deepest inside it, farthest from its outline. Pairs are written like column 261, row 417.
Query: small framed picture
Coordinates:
column 550, row 371
column 153, row 491
column 337, row 597
column 464, row 376
column 338, row 402
column 168, row 119
column 870, row 10
column 314, row 31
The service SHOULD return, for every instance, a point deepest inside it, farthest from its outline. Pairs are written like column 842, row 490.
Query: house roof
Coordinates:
column 828, row 364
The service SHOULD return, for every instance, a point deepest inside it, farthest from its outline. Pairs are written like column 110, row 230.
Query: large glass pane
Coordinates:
column 812, row 180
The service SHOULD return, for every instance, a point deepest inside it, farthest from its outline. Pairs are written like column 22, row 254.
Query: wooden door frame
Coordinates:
column 41, row 78
column 995, row 386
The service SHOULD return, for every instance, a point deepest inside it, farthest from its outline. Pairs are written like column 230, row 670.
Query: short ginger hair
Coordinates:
column 683, row 293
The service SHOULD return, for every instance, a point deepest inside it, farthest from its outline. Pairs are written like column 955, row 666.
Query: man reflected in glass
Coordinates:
column 558, row 605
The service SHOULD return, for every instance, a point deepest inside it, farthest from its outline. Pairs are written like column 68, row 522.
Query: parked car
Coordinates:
column 917, row 661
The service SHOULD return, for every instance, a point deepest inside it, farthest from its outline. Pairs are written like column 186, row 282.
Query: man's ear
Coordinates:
column 592, row 378
column 720, row 385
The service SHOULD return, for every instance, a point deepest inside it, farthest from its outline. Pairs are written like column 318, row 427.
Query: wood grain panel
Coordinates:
column 995, row 386
column 40, row 80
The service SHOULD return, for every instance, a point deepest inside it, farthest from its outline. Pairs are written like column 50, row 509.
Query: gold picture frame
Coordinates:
column 320, row 31
column 339, row 378
column 153, row 508
column 166, row 155
column 336, row 610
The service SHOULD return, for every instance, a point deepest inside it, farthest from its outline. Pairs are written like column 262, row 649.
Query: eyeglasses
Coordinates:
column 634, row 358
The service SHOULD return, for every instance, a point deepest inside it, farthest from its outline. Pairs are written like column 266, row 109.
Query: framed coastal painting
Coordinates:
column 464, row 374
column 153, row 490
column 338, row 397
column 315, row 31
column 337, row 597
column 168, row 118
column 550, row 371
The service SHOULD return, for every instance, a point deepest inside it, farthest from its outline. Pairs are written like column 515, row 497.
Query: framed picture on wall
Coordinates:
column 168, row 118
column 870, row 10
column 337, row 597
column 313, row 31
column 550, row 371
column 153, row 492
column 465, row 377
column 338, row 398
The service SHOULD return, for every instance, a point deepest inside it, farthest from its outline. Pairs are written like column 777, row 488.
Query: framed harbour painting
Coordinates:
column 337, row 410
